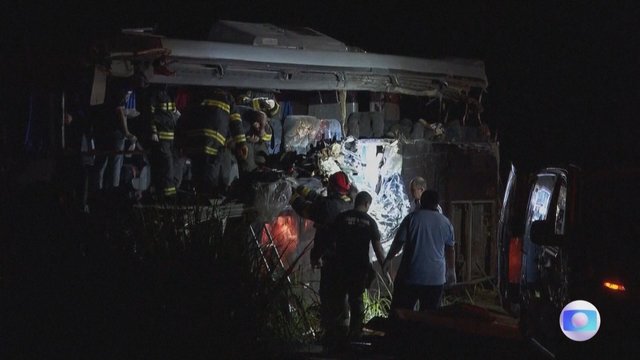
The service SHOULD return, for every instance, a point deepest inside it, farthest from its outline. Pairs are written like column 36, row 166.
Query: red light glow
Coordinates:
column 515, row 259
column 284, row 231
column 614, row 286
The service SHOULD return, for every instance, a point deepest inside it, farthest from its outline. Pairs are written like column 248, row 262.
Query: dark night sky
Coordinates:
column 563, row 78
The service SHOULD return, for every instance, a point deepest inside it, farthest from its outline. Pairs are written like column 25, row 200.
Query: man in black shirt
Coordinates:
column 323, row 210
column 354, row 231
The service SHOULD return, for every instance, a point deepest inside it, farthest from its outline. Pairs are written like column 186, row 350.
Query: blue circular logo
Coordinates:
column 579, row 320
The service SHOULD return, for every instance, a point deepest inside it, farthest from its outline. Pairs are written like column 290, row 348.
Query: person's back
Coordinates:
column 355, row 230
column 428, row 261
column 323, row 211
column 423, row 262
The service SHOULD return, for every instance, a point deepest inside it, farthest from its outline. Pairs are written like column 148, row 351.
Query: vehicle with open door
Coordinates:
column 578, row 243
column 510, row 230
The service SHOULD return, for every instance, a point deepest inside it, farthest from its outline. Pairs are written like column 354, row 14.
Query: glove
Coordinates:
column 242, row 151
column 293, row 198
column 155, row 138
column 302, row 190
column 450, row 277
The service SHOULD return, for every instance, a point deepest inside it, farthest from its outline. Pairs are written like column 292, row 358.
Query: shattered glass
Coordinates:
column 375, row 166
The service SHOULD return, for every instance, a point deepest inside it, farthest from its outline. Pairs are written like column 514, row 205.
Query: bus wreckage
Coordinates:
column 382, row 119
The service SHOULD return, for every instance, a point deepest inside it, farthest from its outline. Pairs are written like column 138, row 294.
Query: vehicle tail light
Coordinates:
column 614, row 285
column 515, row 259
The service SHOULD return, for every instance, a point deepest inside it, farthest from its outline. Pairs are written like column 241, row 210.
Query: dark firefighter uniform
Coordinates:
column 265, row 141
column 162, row 129
column 214, row 123
column 258, row 134
column 261, row 103
column 323, row 212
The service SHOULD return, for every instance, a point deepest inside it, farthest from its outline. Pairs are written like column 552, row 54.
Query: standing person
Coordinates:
column 428, row 259
column 417, row 186
column 211, row 126
column 163, row 127
column 323, row 211
column 354, row 230
column 110, row 131
column 258, row 134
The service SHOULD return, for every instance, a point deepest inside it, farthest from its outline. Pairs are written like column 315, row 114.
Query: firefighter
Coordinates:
column 323, row 211
column 213, row 125
column 261, row 103
column 267, row 104
column 165, row 117
column 259, row 133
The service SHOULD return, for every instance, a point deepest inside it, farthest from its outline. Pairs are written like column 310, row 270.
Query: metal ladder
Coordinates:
column 272, row 261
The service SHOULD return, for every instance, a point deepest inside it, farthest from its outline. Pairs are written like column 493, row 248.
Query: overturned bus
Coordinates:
column 397, row 117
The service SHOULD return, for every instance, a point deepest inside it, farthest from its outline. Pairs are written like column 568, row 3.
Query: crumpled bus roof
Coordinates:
column 280, row 63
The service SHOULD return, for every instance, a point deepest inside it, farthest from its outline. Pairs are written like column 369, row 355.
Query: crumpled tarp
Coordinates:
column 272, row 198
column 300, row 132
column 303, row 131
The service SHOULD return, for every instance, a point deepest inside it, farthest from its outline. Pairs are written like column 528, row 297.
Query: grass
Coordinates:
column 377, row 300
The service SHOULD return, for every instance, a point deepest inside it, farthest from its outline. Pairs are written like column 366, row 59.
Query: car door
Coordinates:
column 541, row 285
column 509, row 241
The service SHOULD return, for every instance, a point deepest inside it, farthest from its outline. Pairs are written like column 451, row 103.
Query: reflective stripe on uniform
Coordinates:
column 208, row 133
column 217, row 103
column 266, row 137
column 210, row 151
column 305, row 191
column 170, row 191
column 255, row 103
column 236, row 117
column 165, row 135
column 167, row 106
column 240, row 138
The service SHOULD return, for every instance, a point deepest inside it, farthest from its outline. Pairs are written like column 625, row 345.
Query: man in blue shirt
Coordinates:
column 428, row 259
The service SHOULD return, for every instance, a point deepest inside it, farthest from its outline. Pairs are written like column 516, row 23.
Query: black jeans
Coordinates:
column 406, row 295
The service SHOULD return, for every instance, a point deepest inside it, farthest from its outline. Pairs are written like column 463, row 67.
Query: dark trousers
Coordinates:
column 163, row 167
column 181, row 171
column 405, row 296
column 206, row 171
column 333, row 305
column 351, row 287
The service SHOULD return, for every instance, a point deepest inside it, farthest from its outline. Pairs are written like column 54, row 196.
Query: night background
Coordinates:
column 563, row 88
